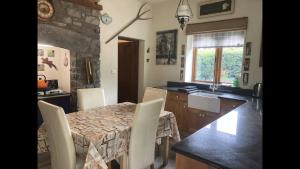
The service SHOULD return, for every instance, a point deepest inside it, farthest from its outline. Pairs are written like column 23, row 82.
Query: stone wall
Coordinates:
column 76, row 28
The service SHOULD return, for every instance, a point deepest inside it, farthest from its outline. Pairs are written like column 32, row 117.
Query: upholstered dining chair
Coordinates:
column 62, row 150
column 155, row 93
column 90, row 98
column 143, row 134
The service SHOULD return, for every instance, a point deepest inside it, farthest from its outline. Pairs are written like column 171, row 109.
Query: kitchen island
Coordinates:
column 233, row 141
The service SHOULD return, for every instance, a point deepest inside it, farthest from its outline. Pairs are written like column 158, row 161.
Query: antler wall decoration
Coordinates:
column 138, row 17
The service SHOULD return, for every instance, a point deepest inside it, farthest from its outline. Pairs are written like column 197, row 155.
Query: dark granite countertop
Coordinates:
column 234, row 141
column 53, row 95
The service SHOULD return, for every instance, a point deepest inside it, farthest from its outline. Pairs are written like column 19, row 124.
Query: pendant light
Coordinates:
column 183, row 13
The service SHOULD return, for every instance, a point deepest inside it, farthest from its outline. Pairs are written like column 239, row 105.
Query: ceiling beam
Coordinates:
column 87, row 3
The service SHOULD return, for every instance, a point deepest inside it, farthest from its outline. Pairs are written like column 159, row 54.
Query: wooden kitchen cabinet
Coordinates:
column 229, row 104
column 190, row 120
column 199, row 118
column 176, row 102
column 183, row 162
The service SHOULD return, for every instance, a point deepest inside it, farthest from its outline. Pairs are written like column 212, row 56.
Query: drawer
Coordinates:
column 176, row 96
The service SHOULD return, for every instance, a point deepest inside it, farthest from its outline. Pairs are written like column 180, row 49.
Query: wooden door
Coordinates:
column 128, row 70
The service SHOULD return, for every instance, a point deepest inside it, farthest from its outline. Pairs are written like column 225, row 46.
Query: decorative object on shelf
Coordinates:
column 41, row 67
column 245, row 78
column 166, row 47
column 182, row 62
column 42, row 83
column 51, row 53
column 248, row 48
column 215, row 7
column 246, row 64
column 105, row 18
column 183, row 13
column 45, row 10
column 40, row 52
column 48, row 62
column 181, row 74
column 138, row 17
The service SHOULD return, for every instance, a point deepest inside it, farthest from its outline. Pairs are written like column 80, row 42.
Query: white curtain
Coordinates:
column 219, row 39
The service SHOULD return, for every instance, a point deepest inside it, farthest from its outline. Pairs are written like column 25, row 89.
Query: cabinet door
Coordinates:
column 195, row 119
column 229, row 104
column 183, row 109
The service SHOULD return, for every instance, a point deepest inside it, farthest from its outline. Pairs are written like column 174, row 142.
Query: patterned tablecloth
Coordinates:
column 102, row 134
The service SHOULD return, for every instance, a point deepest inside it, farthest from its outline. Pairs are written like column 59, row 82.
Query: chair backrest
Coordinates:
column 90, row 98
column 62, row 150
column 143, row 134
column 155, row 93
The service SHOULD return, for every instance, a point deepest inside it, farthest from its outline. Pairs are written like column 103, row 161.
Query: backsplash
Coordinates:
column 75, row 28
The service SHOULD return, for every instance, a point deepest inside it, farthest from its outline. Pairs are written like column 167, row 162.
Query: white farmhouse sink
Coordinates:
column 204, row 101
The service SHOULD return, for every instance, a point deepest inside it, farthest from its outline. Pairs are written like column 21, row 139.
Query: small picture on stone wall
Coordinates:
column 51, row 53
column 41, row 67
column 40, row 52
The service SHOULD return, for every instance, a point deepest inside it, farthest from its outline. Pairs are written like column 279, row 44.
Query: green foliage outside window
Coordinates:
column 231, row 64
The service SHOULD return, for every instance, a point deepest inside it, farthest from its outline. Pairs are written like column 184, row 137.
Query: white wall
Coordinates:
column 122, row 12
column 62, row 74
column 164, row 19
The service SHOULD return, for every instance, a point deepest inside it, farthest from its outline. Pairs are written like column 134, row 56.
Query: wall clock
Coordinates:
column 106, row 19
column 45, row 10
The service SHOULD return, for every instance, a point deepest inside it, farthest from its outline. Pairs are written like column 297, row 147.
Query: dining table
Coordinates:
column 102, row 134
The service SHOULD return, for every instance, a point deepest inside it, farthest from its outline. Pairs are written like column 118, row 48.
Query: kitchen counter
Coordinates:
column 40, row 97
column 234, row 141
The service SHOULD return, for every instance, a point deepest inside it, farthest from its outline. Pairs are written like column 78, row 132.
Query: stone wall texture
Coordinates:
column 76, row 28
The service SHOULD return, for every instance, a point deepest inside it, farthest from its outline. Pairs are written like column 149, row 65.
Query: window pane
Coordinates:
column 204, row 70
column 232, row 58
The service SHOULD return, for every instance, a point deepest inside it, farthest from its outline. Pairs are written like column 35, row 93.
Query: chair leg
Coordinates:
column 152, row 166
column 109, row 165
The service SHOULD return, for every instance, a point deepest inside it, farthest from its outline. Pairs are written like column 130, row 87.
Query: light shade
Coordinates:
column 183, row 13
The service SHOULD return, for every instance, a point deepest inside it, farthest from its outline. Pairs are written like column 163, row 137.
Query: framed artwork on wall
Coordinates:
column 245, row 78
column 215, row 7
column 182, row 62
column 248, row 48
column 40, row 52
column 246, row 64
column 51, row 53
column 166, row 47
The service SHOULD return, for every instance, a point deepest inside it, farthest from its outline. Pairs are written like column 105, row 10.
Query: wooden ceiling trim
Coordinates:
column 87, row 3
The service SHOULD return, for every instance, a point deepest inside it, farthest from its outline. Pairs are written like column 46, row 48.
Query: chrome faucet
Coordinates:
column 213, row 86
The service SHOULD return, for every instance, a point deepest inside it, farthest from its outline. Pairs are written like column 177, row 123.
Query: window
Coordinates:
column 217, row 57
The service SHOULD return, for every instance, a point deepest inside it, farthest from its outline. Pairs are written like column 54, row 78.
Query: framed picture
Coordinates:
column 40, row 52
column 182, row 62
column 183, row 49
column 245, row 78
column 41, row 67
column 248, row 48
column 246, row 64
column 166, row 47
column 181, row 74
column 51, row 53
column 215, row 8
